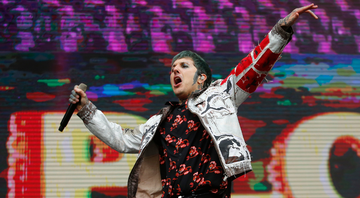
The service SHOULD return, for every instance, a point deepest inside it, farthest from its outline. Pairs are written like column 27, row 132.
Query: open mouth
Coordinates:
column 177, row 81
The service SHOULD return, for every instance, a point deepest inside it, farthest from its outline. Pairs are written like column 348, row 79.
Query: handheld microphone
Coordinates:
column 70, row 110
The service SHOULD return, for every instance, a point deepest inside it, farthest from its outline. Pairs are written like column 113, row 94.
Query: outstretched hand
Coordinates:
column 290, row 19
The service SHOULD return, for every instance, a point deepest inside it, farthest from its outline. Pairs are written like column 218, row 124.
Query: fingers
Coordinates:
column 305, row 8
column 74, row 97
column 309, row 7
column 312, row 14
column 79, row 91
column 291, row 19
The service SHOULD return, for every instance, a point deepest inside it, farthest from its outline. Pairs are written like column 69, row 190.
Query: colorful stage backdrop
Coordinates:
column 302, row 125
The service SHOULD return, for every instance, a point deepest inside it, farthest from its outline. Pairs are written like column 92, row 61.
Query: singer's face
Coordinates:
column 183, row 78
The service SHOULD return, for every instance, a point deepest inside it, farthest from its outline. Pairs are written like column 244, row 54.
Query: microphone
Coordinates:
column 70, row 110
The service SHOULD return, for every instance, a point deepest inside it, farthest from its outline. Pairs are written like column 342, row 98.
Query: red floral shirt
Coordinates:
column 188, row 159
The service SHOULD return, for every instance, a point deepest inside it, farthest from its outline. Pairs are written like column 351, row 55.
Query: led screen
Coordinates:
column 301, row 125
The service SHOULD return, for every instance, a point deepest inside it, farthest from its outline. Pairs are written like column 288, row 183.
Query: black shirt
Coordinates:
column 188, row 159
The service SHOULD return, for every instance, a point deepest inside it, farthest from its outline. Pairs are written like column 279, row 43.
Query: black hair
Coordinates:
column 200, row 64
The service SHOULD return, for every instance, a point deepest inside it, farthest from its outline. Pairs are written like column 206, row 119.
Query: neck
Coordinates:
column 182, row 102
column 194, row 93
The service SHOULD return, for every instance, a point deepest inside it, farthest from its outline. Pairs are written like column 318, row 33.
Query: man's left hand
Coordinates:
column 290, row 19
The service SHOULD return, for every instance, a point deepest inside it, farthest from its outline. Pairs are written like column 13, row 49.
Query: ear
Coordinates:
column 202, row 78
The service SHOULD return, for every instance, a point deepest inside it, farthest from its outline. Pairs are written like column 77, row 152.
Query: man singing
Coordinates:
column 193, row 147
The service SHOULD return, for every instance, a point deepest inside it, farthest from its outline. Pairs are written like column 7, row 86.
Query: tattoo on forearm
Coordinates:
column 286, row 22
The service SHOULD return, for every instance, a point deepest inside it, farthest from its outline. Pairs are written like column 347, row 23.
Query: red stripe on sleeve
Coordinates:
column 250, row 81
column 261, row 46
column 257, row 51
column 245, row 63
column 264, row 42
column 267, row 60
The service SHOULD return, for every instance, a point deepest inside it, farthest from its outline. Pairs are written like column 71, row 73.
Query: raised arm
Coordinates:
column 251, row 71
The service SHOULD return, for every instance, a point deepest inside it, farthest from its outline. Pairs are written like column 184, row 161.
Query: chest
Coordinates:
column 180, row 129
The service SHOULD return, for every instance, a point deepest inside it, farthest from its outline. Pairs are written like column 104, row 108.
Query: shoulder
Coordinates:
column 217, row 86
column 159, row 115
column 216, row 82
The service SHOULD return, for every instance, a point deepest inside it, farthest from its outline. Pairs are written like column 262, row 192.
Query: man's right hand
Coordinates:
column 75, row 95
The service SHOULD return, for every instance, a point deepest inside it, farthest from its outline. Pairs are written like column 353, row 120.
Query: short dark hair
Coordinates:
column 200, row 64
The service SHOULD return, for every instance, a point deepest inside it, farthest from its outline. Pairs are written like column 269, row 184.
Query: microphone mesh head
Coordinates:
column 83, row 87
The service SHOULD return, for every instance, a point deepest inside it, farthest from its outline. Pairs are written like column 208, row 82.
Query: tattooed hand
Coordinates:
column 290, row 19
column 75, row 96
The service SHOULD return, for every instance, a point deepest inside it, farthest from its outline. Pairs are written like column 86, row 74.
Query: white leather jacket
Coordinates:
column 216, row 108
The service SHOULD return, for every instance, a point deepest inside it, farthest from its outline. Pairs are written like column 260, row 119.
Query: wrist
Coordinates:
column 82, row 105
column 285, row 26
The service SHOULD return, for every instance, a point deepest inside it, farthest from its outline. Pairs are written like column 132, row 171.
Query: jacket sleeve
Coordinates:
column 251, row 71
column 123, row 140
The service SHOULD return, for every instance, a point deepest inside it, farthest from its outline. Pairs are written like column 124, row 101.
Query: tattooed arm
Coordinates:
column 290, row 19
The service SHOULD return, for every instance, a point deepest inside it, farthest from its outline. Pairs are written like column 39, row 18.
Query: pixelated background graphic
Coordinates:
column 301, row 125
